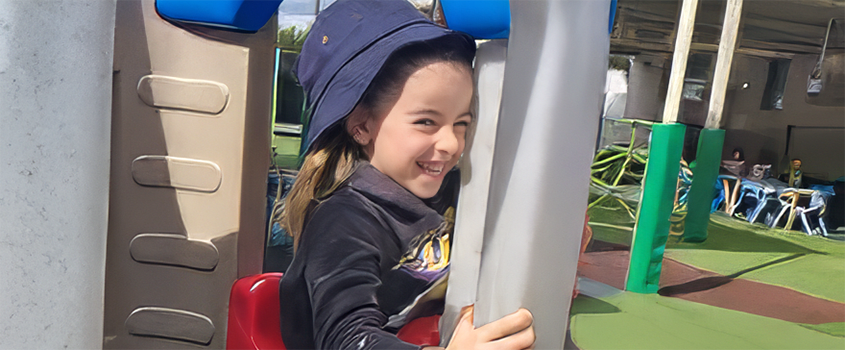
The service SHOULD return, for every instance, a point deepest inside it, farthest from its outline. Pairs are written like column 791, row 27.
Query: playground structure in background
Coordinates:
column 616, row 184
column 617, row 172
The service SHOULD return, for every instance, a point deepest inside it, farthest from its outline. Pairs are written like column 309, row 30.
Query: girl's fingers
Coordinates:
column 464, row 322
column 524, row 339
column 505, row 326
column 514, row 331
column 467, row 313
column 465, row 336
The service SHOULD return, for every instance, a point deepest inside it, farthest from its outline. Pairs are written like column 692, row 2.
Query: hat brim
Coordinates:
column 345, row 90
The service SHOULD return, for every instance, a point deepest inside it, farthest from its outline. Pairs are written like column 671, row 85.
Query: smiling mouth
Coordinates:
column 431, row 169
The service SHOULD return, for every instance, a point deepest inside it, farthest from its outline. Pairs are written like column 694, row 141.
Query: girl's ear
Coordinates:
column 357, row 126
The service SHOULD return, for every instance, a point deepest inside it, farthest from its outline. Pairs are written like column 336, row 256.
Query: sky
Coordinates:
column 301, row 13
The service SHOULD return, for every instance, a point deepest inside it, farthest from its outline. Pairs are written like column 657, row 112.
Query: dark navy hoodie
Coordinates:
column 365, row 254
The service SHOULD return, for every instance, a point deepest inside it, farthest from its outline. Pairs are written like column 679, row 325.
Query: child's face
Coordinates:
column 420, row 138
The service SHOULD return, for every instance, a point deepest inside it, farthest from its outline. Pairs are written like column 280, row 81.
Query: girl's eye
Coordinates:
column 426, row 122
column 462, row 124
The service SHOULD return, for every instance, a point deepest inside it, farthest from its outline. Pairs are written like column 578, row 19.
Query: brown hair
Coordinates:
column 334, row 155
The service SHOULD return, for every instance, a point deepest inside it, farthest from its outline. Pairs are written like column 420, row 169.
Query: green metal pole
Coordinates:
column 652, row 228
column 707, row 160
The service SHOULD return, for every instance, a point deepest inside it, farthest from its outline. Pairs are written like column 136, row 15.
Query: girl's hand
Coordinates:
column 514, row 331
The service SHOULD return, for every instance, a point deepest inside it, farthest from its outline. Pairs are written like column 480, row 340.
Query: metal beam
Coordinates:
column 742, row 51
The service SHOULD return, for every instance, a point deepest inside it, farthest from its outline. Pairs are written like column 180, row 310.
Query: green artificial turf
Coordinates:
column 648, row 321
column 817, row 275
column 624, row 320
column 809, row 264
column 728, row 263
column 616, row 235
column 729, row 234
column 834, row 328
column 287, row 151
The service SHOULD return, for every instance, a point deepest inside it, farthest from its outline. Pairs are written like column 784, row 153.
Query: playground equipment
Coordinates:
column 182, row 142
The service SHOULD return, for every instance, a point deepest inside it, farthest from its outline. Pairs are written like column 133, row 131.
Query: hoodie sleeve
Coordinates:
column 343, row 274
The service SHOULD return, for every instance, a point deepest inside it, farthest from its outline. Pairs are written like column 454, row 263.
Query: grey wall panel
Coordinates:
column 55, row 95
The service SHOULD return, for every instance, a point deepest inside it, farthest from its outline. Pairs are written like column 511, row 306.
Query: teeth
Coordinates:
column 434, row 170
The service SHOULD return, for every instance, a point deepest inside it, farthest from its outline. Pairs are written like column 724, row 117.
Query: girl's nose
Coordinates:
column 447, row 141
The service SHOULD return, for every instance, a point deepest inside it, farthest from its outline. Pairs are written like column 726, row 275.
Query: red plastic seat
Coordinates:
column 254, row 317
column 423, row 331
column 254, row 313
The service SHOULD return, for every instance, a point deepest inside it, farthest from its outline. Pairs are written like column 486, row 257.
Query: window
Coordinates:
column 775, row 84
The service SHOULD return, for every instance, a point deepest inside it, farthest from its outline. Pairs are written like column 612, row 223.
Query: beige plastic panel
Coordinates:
column 188, row 94
column 172, row 249
column 190, row 153
column 173, row 324
column 179, row 173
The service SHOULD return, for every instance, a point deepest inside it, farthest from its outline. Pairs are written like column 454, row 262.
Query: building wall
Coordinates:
column 55, row 93
column 646, row 88
column 762, row 134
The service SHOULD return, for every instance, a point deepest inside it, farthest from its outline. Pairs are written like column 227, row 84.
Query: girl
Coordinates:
column 390, row 94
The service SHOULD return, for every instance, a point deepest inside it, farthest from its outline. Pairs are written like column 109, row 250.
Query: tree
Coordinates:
column 619, row 62
column 291, row 37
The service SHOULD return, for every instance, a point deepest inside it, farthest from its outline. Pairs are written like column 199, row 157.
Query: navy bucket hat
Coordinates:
column 346, row 47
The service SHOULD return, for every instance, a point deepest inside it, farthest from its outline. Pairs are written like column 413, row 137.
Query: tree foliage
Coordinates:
column 619, row 62
column 291, row 37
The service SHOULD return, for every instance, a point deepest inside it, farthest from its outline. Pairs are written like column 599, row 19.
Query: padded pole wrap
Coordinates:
column 652, row 228
column 700, row 196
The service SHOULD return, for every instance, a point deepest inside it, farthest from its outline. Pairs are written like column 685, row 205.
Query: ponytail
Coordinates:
column 324, row 169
